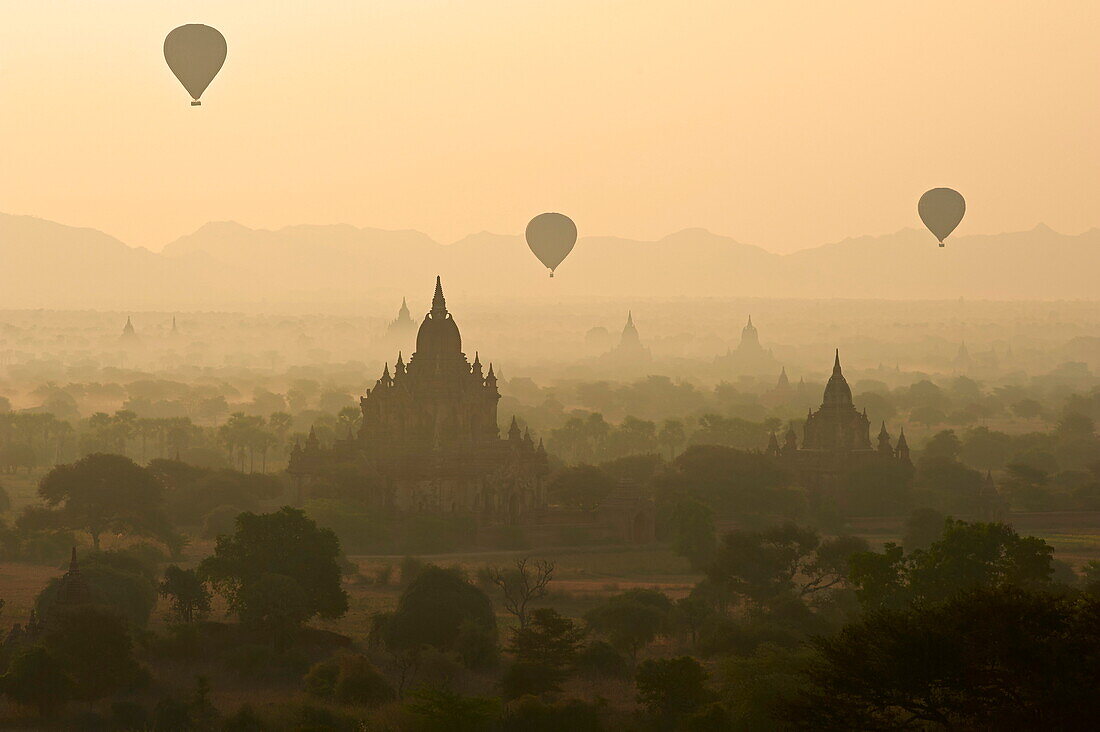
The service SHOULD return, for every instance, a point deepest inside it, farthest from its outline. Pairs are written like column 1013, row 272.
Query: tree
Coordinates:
column 993, row 658
column 729, row 481
column 927, row 415
column 36, row 679
column 968, row 556
column 944, row 444
column 582, row 486
column 1026, row 487
column 1027, row 409
column 278, row 570
column 523, row 585
column 433, row 609
column 949, row 485
column 762, row 565
column 670, row 688
column 349, row 680
column 671, row 436
column 923, row 527
column 447, row 711
column 631, row 620
column 103, row 492
column 693, row 532
column 118, row 581
column 548, row 646
column 94, row 648
column 187, row 594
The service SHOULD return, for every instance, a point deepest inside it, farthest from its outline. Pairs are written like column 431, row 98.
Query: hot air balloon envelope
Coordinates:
column 941, row 210
column 551, row 237
column 195, row 53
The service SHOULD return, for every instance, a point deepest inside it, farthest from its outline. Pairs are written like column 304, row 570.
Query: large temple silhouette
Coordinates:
column 835, row 438
column 429, row 439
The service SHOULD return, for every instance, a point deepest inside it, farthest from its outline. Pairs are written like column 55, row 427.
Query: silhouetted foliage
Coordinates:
column 278, row 570
column 785, row 559
column 669, row 688
column 433, row 609
column 631, row 620
column 923, row 527
column 187, row 594
column 118, row 582
column 968, row 556
column 36, row 679
column 349, row 680
column 583, row 486
column 103, row 492
column 522, row 585
column 439, row 709
column 999, row 658
column 545, row 651
column 95, row 650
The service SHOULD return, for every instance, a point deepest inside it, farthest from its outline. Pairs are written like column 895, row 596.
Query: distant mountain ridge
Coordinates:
column 224, row 265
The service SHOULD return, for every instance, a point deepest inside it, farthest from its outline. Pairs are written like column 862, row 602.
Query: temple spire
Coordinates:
column 836, row 363
column 439, row 303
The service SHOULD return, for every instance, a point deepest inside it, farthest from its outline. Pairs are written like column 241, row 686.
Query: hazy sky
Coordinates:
column 784, row 124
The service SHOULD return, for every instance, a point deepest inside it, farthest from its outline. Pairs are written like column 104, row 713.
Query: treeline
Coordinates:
column 959, row 402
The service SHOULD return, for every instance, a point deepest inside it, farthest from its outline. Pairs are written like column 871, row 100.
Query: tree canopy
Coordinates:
column 278, row 568
column 103, row 492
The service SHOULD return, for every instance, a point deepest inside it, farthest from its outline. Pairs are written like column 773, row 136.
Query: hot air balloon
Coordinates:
column 551, row 237
column 941, row 210
column 195, row 53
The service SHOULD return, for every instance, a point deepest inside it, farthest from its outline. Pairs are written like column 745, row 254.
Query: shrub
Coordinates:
column 601, row 659
column 531, row 714
column 529, row 679
column 434, row 611
column 129, row 715
column 671, row 687
column 358, row 682
column 245, row 720
column 411, row 567
column 321, row 679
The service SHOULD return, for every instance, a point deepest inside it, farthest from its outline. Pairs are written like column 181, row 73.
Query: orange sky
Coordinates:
column 785, row 124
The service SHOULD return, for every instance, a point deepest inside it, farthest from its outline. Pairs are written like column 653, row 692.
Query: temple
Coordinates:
column 129, row 336
column 630, row 351
column 70, row 593
column 429, row 440
column 835, row 438
column 402, row 326
column 749, row 358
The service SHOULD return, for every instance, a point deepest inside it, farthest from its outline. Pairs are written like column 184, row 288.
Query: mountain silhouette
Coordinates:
column 227, row 265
